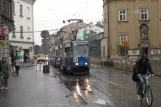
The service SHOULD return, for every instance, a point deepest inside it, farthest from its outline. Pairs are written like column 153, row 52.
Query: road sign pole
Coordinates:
column 45, row 35
column 125, row 50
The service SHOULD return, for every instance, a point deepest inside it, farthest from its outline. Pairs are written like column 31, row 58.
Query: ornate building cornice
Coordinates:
column 29, row 1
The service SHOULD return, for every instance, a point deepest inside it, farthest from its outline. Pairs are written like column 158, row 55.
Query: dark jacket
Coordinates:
column 142, row 67
column 4, row 69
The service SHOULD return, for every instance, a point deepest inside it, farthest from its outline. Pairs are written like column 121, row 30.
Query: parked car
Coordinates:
column 40, row 58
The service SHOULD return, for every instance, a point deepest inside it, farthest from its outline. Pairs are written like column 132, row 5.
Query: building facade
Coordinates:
column 22, row 39
column 6, row 25
column 133, row 27
column 83, row 33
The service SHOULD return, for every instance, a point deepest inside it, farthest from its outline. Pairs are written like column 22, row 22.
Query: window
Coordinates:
column 21, row 10
column 28, row 12
column 144, row 14
column 122, row 39
column 14, row 36
column 21, row 31
column 123, row 49
column 122, row 15
column 28, row 33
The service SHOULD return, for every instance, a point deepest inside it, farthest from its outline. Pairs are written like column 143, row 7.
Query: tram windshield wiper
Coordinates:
column 83, row 53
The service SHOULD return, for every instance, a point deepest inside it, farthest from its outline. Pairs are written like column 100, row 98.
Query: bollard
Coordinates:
column 40, row 67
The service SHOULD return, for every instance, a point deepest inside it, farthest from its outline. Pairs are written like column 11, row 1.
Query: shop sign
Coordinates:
column 5, row 30
column 2, row 37
column 133, row 52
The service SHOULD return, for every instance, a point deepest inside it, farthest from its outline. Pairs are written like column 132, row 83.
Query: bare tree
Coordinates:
column 99, row 24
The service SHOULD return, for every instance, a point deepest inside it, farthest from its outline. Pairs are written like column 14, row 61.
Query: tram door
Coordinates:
column 67, row 51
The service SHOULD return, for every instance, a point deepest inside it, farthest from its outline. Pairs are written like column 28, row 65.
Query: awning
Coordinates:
column 13, row 45
column 24, row 47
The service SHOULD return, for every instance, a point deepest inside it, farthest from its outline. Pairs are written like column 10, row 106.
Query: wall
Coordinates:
column 26, row 20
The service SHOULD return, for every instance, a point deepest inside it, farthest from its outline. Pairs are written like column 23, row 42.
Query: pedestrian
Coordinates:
column 17, row 65
column 12, row 63
column 4, row 73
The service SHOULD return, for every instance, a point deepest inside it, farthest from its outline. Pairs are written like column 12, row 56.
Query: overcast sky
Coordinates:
column 49, row 14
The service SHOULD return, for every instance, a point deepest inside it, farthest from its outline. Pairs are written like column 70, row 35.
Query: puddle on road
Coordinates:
column 79, row 85
column 101, row 101
column 79, row 90
column 104, row 102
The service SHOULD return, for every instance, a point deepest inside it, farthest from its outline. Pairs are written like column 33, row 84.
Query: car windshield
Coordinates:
column 41, row 56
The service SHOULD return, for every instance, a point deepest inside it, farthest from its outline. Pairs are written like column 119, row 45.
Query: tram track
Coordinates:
column 109, row 95
column 120, row 85
column 97, row 88
column 83, row 100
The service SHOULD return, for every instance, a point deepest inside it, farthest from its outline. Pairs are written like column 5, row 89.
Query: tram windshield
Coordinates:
column 80, row 49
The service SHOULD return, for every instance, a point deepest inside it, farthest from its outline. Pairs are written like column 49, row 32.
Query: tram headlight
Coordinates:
column 86, row 63
column 76, row 64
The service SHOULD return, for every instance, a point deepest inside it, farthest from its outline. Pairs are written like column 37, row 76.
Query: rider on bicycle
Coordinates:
column 141, row 69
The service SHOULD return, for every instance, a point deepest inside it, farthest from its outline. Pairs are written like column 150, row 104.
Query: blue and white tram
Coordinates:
column 75, row 58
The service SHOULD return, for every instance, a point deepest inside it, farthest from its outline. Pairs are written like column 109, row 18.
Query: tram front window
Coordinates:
column 80, row 50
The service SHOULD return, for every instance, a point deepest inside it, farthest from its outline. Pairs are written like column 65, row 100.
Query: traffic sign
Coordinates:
column 125, row 43
column 5, row 29
column 3, row 43
column 44, row 34
column 44, row 41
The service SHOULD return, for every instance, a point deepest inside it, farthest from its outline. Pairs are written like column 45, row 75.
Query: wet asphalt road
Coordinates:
column 109, row 88
column 101, row 88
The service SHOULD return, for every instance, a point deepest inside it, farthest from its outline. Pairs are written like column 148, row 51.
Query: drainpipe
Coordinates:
column 33, row 28
column 108, row 27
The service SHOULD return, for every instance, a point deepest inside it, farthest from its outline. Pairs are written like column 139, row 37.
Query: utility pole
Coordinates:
column 108, row 27
column 77, row 21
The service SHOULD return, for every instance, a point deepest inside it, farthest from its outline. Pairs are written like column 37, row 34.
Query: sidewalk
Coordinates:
column 35, row 89
column 26, row 65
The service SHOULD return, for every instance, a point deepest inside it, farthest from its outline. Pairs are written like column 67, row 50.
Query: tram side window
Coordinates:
column 67, row 51
column 71, row 47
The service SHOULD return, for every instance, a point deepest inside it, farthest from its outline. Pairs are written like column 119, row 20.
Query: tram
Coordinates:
column 75, row 58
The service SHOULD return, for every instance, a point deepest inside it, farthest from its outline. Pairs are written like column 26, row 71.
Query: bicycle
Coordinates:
column 147, row 91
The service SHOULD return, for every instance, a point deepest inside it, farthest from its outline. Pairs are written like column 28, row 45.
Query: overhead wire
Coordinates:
column 86, row 8
column 79, row 10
